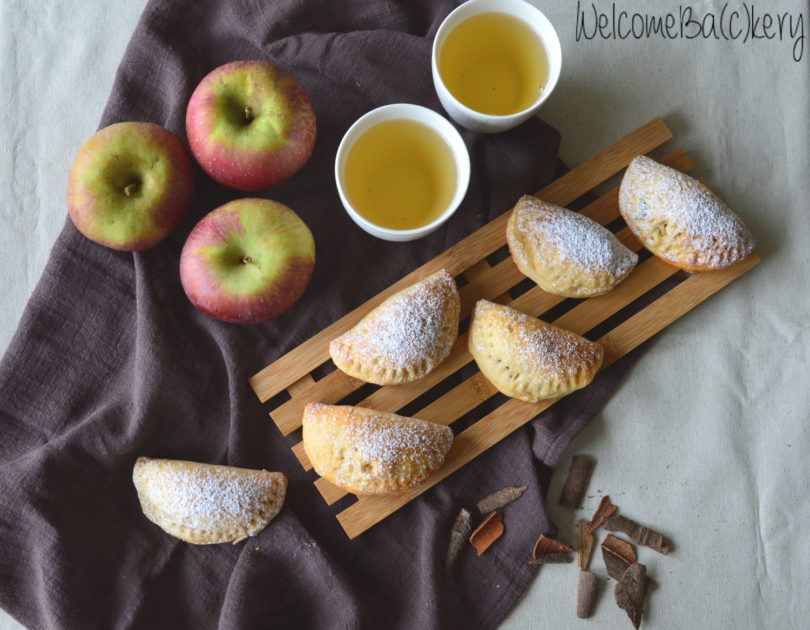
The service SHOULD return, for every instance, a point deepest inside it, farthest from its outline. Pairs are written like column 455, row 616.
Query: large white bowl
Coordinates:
column 539, row 23
column 440, row 125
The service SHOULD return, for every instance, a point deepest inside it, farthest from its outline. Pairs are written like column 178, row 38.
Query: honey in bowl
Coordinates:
column 400, row 174
column 494, row 63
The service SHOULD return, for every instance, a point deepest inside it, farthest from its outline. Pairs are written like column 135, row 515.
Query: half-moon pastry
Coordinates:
column 204, row 503
column 405, row 337
column 365, row 451
column 679, row 219
column 565, row 252
column 527, row 358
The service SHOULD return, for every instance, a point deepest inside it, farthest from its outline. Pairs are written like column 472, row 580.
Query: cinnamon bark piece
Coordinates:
column 630, row 591
column 621, row 548
column 546, row 544
column 637, row 533
column 605, row 509
column 615, row 564
column 586, row 594
column 579, row 474
column 584, row 544
column 497, row 500
column 487, row 532
column 462, row 527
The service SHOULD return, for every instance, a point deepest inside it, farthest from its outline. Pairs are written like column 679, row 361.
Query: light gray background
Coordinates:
column 707, row 438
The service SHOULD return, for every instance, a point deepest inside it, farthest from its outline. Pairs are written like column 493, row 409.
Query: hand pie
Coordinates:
column 679, row 219
column 527, row 358
column 203, row 503
column 365, row 451
column 405, row 337
column 565, row 252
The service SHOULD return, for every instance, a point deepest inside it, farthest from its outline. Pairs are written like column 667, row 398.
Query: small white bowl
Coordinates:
column 532, row 17
column 417, row 113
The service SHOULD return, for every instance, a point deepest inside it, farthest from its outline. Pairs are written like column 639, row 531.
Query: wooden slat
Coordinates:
column 470, row 393
column 495, row 281
column 477, row 270
column 301, row 454
column 301, row 385
column 493, row 427
column 467, row 252
column 488, row 284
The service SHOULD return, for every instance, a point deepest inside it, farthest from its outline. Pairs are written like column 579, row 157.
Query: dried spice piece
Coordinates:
column 555, row 557
column 497, row 500
column 621, row 548
column 584, row 544
column 579, row 474
column 586, row 594
column 487, row 532
column 638, row 533
column 605, row 509
column 615, row 564
column 458, row 535
column 546, row 545
column 630, row 591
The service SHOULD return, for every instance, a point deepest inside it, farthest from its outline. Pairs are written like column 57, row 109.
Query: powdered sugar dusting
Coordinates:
column 413, row 330
column 202, row 497
column 373, row 451
column 680, row 219
column 538, row 346
column 573, row 237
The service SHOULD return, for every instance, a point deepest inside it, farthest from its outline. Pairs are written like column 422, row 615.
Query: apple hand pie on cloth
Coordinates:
column 405, row 337
column 203, row 503
column 679, row 219
column 365, row 451
column 565, row 252
column 528, row 359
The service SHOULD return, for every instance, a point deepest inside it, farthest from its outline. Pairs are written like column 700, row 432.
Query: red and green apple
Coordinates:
column 250, row 125
column 130, row 185
column 248, row 261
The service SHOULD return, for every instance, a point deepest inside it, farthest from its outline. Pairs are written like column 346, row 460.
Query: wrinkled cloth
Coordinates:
column 111, row 362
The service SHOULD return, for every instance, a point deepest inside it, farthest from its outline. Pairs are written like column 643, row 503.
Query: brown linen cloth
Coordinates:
column 111, row 362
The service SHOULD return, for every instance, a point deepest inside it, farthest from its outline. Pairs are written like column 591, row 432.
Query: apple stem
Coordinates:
column 129, row 189
column 248, row 114
column 247, row 260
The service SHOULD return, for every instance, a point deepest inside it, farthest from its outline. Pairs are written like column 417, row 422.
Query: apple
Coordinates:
column 247, row 261
column 130, row 185
column 250, row 125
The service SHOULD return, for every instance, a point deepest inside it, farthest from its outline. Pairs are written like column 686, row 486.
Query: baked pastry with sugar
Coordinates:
column 203, row 503
column 679, row 219
column 527, row 358
column 565, row 252
column 405, row 337
column 365, row 451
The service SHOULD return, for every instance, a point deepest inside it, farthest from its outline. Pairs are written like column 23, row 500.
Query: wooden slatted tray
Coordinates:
column 292, row 372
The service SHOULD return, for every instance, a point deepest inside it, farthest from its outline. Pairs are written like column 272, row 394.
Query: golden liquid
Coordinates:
column 494, row 63
column 400, row 175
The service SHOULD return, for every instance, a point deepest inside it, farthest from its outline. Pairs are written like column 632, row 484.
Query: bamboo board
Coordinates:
column 293, row 371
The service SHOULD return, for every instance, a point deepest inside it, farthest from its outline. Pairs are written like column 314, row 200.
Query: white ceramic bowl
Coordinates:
column 539, row 23
column 440, row 125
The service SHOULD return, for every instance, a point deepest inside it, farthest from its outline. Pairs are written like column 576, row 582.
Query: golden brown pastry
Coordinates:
column 365, row 451
column 405, row 337
column 679, row 219
column 205, row 504
column 565, row 252
column 527, row 358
